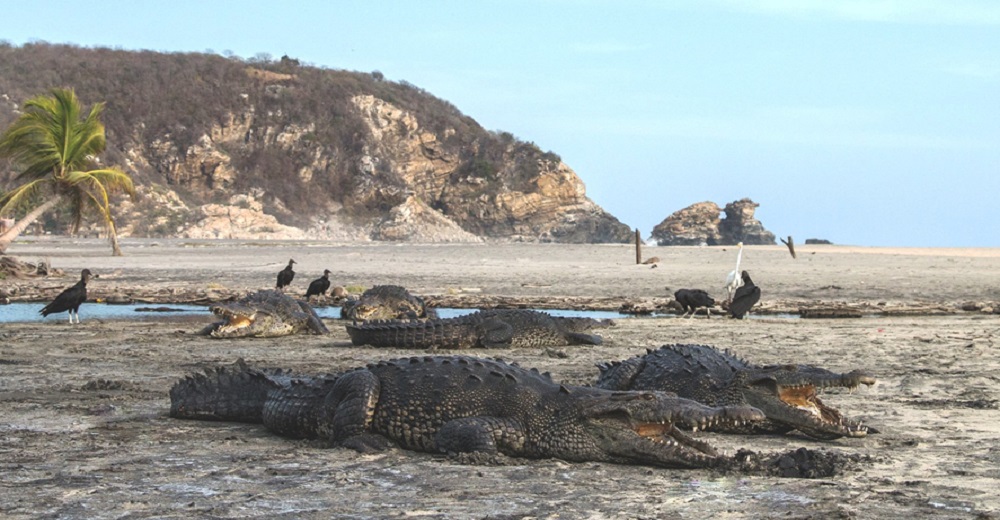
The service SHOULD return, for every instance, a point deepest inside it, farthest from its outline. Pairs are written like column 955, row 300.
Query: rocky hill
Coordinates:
column 262, row 148
column 701, row 223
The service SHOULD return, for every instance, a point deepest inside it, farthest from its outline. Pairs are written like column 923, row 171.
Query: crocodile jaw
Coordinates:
column 241, row 323
column 652, row 436
column 235, row 325
column 364, row 312
column 798, row 407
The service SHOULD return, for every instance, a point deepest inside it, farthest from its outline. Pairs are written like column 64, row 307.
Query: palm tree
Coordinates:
column 54, row 145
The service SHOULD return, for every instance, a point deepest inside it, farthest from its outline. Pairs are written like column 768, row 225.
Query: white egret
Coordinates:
column 734, row 281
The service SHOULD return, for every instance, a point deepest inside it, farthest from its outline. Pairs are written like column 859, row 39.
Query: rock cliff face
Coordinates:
column 701, row 224
column 550, row 204
column 222, row 148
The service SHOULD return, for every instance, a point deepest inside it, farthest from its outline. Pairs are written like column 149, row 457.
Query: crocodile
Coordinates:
column 785, row 393
column 386, row 302
column 264, row 314
column 475, row 409
column 494, row 328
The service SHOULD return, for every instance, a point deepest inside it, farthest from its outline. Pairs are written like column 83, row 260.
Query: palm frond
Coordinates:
column 78, row 203
column 113, row 180
column 87, row 139
column 24, row 195
column 28, row 143
column 98, row 201
column 91, row 188
column 83, row 182
column 49, row 138
column 67, row 112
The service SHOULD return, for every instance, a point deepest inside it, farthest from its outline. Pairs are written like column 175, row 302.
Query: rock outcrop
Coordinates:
column 701, row 223
column 741, row 226
column 415, row 220
column 694, row 225
column 223, row 148
column 242, row 218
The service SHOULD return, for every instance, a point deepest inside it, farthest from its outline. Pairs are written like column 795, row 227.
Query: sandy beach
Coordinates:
column 85, row 434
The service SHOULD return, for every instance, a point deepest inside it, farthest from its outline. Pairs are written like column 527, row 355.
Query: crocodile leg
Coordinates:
column 495, row 333
column 580, row 338
column 485, row 435
column 346, row 417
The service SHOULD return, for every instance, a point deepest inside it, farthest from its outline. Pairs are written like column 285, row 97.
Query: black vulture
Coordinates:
column 693, row 299
column 746, row 297
column 285, row 276
column 70, row 299
column 319, row 285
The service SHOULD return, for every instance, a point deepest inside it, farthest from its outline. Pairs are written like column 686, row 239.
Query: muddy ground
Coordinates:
column 84, row 431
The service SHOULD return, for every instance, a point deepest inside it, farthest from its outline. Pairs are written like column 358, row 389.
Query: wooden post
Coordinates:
column 791, row 245
column 638, row 247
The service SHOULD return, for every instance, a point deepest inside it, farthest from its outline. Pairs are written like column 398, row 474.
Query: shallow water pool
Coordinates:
column 27, row 312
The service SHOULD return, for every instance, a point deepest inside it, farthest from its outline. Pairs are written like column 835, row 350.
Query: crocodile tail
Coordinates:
column 388, row 333
column 314, row 324
column 425, row 334
column 231, row 393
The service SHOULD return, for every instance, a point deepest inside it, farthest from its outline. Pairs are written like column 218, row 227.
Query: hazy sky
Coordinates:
column 869, row 122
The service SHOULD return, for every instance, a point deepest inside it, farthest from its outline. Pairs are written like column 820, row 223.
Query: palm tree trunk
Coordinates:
column 113, row 237
column 11, row 234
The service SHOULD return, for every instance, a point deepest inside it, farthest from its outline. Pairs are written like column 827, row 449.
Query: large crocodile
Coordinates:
column 264, row 314
column 479, row 408
column 495, row 328
column 785, row 393
column 386, row 302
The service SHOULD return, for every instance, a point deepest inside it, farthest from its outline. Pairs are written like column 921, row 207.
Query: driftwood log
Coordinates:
column 12, row 267
column 831, row 312
column 791, row 245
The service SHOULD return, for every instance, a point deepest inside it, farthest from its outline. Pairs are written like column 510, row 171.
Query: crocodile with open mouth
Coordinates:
column 785, row 393
column 264, row 314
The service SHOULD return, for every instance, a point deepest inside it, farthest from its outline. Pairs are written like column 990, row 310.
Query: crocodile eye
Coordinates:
column 648, row 397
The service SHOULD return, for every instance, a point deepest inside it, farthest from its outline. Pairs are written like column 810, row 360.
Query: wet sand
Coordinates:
column 84, row 431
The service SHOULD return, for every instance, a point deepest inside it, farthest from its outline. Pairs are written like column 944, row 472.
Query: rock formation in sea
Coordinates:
column 701, row 223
